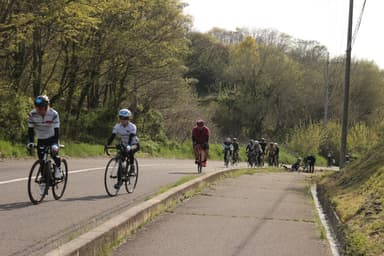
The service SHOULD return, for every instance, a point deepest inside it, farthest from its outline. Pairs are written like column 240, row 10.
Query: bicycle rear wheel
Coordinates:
column 35, row 182
column 111, row 177
column 199, row 162
column 226, row 158
column 131, row 181
column 60, row 184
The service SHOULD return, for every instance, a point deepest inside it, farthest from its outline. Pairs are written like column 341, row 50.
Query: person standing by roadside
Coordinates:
column 329, row 159
column 311, row 160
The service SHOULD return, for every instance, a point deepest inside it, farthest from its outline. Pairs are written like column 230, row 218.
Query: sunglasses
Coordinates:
column 123, row 118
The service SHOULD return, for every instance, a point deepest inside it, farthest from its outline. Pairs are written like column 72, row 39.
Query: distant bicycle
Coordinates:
column 227, row 157
column 235, row 158
column 251, row 159
column 200, row 157
column 116, row 172
column 41, row 177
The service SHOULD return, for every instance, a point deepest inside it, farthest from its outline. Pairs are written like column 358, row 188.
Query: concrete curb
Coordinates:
column 100, row 238
column 333, row 219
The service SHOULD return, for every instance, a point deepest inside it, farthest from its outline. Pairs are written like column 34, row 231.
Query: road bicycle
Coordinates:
column 116, row 172
column 200, row 156
column 235, row 158
column 41, row 177
column 227, row 156
column 251, row 159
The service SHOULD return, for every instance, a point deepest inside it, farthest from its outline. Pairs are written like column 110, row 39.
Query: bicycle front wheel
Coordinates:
column 131, row 181
column 111, row 183
column 59, row 185
column 37, row 189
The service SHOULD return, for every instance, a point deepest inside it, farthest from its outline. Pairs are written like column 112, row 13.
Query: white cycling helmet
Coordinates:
column 124, row 113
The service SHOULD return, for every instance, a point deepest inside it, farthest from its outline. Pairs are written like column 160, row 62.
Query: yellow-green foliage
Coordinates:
column 361, row 138
column 306, row 139
column 315, row 138
column 358, row 195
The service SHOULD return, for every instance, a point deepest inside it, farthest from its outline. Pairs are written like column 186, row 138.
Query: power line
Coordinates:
column 358, row 23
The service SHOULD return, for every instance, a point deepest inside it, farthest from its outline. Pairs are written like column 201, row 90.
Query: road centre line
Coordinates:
column 71, row 172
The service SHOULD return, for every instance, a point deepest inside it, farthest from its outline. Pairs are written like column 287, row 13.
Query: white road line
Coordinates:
column 71, row 172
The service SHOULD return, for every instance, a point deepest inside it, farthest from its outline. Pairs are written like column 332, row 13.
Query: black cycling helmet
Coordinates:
column 42, row 101
column 200, row 122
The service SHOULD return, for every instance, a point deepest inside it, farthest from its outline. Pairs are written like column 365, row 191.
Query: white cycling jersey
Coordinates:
column 44, row 125
column 125, row 132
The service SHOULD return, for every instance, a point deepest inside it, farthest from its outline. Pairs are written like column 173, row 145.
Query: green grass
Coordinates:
column 9, row 150
column 82, row 149
column 170, row 149
column 357, row 193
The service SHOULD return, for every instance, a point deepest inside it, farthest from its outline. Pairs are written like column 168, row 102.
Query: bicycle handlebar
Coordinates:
column 106, row 151
column 30, row 149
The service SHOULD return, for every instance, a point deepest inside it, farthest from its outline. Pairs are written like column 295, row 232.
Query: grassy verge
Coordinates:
column 170, row 149
column 357, row 194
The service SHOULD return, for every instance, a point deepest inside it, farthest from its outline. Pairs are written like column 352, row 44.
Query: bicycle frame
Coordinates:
column 42, row 176
column 200, row 156
column 117, row 174
column 46, row 165
column 227, row 156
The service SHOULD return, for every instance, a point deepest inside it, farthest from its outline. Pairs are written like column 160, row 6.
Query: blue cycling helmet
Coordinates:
column 42, row 101
column 124, row 113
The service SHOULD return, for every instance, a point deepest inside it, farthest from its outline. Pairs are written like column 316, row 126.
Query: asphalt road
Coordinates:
column 28, row 229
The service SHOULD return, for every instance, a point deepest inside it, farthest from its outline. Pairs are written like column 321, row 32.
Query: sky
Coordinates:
column 325, row 21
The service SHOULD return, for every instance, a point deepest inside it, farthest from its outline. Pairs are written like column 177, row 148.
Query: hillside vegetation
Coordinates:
column 357, row 194
column 94, row 57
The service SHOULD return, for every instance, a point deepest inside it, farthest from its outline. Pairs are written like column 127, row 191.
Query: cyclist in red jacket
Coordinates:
column 200, row 136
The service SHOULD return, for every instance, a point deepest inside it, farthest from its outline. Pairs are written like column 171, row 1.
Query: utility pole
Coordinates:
column 326, row 91
column 346, row 88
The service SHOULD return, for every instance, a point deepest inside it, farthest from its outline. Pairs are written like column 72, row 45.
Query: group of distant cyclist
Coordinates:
column 257, row 151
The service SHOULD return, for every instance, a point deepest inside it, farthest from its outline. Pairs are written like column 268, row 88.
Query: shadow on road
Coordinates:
column 186, row 173
column 14, row 206
column 85, row 198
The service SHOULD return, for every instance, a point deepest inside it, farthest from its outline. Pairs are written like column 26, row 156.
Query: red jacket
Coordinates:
column 200, row 135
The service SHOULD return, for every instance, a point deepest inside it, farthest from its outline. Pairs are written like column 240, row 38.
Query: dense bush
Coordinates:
column 13, row 116
column 314, row 138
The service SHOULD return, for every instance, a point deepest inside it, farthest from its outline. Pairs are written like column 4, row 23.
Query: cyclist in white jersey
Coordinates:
column 127, row 132
column 46, row 123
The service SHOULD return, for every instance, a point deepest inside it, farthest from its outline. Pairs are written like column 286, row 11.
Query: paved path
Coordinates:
column 261, row 214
